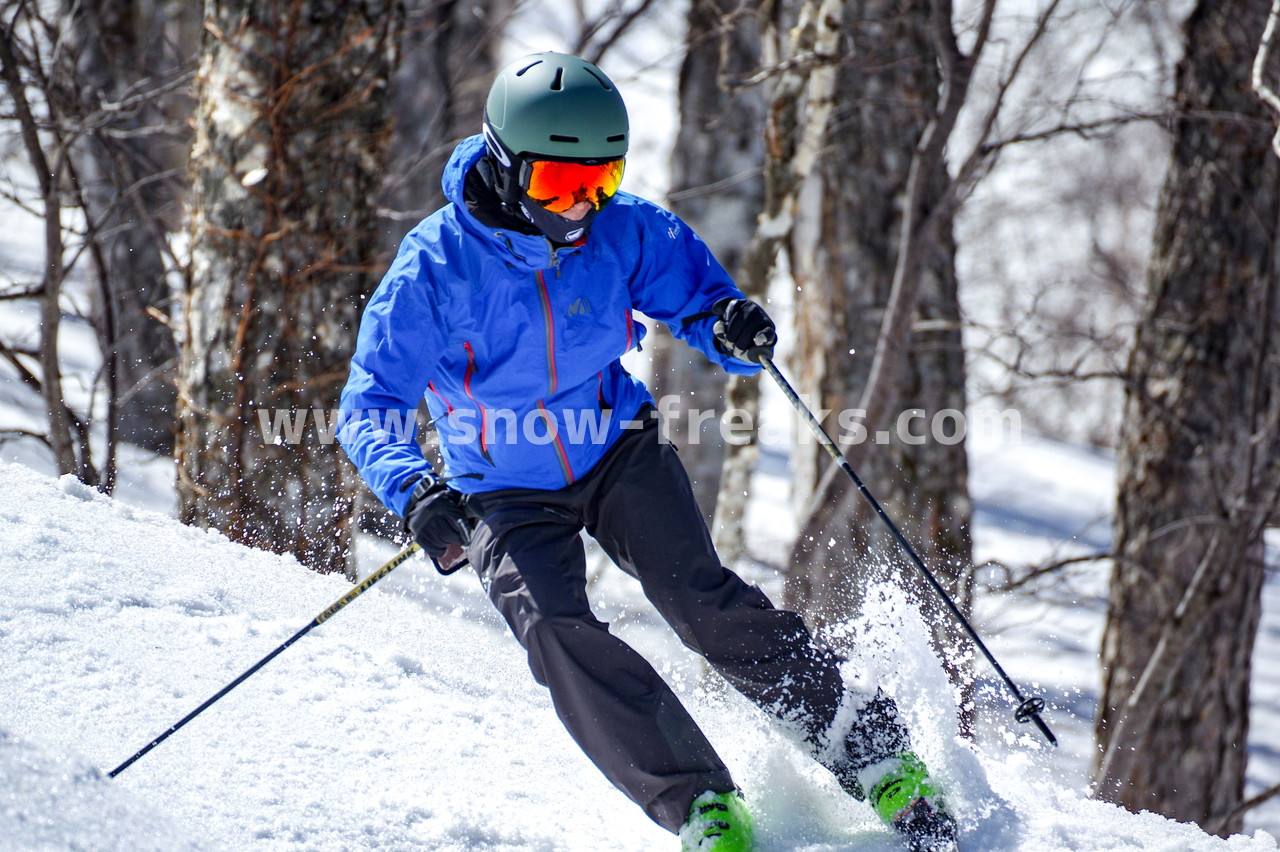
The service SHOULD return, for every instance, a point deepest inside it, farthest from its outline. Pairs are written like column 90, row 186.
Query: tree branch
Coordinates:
column 1219, row 823
column 594, row 51
column 1260, row 86
column 46, row 173
column 1035, row 572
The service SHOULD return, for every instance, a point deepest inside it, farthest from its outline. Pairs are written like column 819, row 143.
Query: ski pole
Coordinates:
column 1029, row 709
column 395, row 562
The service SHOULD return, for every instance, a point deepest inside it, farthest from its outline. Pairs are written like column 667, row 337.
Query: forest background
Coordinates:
column 1062, row 211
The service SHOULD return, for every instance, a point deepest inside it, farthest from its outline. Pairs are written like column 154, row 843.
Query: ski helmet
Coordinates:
column 555, row 106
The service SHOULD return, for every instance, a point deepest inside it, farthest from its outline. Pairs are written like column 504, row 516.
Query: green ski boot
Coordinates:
column 901, row 792
column 718, row 822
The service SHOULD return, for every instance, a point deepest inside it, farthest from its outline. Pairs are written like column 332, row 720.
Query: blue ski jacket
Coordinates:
column 515, row 344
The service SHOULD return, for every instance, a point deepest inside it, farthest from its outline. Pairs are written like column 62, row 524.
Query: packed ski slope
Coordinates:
column 407, row 722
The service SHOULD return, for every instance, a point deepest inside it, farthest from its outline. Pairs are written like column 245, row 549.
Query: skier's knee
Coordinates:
column 555, row 639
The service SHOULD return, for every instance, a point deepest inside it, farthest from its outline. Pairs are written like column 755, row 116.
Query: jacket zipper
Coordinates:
column 555, row 258
column 561, row 455
column 548, row 317
column 550, row 326
column 484, row 415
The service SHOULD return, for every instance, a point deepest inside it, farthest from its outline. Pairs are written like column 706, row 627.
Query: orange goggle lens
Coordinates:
column 559, row 186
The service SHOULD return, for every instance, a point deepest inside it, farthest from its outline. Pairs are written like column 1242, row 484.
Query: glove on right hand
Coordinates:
column 744, row 331
column 435, row 517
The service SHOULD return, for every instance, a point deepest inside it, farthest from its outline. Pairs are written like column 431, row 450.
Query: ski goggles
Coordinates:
column 557, row 186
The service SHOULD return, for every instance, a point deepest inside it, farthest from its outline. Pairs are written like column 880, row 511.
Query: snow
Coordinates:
column 409, row 720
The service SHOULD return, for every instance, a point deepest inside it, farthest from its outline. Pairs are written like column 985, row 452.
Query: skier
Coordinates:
column 508, row 309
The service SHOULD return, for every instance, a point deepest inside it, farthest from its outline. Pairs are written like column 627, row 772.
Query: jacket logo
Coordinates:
column 580, row 306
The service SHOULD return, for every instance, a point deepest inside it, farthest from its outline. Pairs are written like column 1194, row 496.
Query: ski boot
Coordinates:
column 718, row 822
column 901, row 792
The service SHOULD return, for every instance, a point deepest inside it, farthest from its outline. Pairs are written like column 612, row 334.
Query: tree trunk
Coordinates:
column 717, row 188
column 49, row 176
column 1200, row 455
column 450, row 52
column 844, row 252
column 798, row 104
column 131, row 169
column 290, row 129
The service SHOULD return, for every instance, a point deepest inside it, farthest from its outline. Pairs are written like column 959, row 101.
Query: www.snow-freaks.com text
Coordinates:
column 912, row 426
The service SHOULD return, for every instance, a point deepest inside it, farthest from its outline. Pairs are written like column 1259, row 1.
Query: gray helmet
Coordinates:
column 556, row 106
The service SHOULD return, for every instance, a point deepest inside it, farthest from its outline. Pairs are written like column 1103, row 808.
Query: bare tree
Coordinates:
column 600, row 30
column 1200, row 450
column 47, row 122
column 95, row 120
column 1055, row 248
column 290, row 131
column 25, row 69
column 797, row 77
column 716, row 186
column 133, row 63
column 878, row 313
column 449, row 54
column 859, row 120
column 877, row 278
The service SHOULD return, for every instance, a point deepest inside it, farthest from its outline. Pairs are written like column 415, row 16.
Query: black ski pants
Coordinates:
column 638, row 504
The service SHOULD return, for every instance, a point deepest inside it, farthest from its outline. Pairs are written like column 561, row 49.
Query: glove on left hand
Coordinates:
column 435, row 517
column 744, row 331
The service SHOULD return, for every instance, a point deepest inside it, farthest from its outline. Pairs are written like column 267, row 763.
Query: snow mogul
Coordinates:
column 508, row 310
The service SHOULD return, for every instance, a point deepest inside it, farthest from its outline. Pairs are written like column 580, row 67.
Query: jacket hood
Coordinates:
column 532, row 251
column 463, row 160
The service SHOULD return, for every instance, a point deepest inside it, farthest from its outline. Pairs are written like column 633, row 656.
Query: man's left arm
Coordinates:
column 681, row 284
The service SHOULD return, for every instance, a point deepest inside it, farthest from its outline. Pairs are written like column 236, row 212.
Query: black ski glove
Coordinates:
column 435, row 517
column 743, row 330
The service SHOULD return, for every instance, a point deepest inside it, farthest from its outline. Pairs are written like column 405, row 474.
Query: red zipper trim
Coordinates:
column 484, row 415
column 604, row 406
column 629, row 321
column 549, row 321
column 560, row 453
column 431, row 386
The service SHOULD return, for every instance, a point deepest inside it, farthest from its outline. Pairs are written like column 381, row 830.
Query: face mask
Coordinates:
column 556, row 228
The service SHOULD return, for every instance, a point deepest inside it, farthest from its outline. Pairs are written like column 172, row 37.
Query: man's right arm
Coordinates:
column 397, row 351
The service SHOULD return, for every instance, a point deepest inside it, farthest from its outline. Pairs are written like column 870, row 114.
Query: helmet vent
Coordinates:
column 621, row 137
column 558, row 83
column 558, row 138
column 520, row 73
column 603, row 82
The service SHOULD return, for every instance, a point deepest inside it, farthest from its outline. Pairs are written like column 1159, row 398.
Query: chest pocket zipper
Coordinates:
column 548, row 319
column 632, row 336
column 484, row 414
